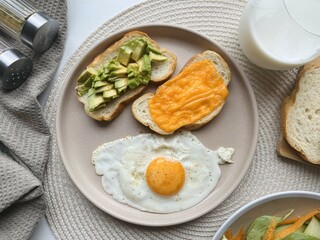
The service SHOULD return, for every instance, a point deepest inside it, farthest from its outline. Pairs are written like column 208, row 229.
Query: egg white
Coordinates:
column 123, row 163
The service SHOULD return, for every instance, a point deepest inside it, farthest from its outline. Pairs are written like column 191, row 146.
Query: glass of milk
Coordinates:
column 280, row 34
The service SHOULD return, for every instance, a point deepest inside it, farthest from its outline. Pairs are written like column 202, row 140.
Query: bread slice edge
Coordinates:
column 288, row 105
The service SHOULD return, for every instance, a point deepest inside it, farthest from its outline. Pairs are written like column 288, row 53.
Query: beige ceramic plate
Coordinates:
column 277, row 204
column 236, row 126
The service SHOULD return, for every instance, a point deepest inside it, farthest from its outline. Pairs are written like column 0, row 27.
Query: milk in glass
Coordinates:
column 280, row 34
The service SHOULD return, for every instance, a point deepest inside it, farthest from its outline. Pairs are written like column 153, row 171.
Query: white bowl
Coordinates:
column 274, row 204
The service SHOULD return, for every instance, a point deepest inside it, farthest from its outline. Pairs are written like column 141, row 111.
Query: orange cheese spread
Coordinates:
column 197, row 91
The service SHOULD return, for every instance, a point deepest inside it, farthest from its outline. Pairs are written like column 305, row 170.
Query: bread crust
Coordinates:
column 288, row 104
column 119, row 103
column 147, row 120
column 218, row 61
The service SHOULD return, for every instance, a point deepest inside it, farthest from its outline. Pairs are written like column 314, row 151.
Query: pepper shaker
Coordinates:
column 15, row 67
column 22, row 20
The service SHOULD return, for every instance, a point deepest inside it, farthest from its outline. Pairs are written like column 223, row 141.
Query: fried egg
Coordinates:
column 160, row 174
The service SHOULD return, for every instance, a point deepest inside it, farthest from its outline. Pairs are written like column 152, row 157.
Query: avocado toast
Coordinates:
column 121, row 73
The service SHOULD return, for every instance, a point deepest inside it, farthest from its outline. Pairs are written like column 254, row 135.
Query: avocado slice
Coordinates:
column 121, row 83
column 89, row 72
column 91, row 92
column 113, row 66
column 139, row 50
column 110, row 94
column 122, row 89
column 124, row 55
column 104, row 88
column 113, row 79
column 87, row 77
column 96, row 101
column 104, row 75
column 132, row 69
column 313, row 228
column 100, row 83
column 140, row 72
column 84, row 76
column 122, row 72
column 157, row 57
column 144, row 64
column 132, row 66
column 153, row 49
column 82, row 89
column 88, row 82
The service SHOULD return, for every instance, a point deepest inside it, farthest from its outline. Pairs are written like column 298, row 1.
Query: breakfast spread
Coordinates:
column 300, row 115
column 153, row 173
column 275, row 228
column 189, row 100
column 121, row 73
column 160, row 174
column 167, row 174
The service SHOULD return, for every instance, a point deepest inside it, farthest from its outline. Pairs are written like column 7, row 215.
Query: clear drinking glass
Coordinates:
column 280, row 34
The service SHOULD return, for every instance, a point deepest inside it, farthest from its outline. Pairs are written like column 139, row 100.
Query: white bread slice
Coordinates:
column 160, row 72
column 140, row 109
column 300, row 115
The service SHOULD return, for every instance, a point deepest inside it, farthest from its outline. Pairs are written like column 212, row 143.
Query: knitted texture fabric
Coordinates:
column 25, row 136
column 72, row 216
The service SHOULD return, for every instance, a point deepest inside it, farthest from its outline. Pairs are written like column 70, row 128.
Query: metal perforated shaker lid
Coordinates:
column 15, row 68
column 39, row 32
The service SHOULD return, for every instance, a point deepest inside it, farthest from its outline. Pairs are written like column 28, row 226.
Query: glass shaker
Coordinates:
column 15, row 67
column 22, row 20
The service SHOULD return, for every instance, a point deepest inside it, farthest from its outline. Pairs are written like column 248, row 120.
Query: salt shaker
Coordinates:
column 22, row 20
column 15, row 67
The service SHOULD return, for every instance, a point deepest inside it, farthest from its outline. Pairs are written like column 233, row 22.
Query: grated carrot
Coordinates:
column 240, row 235
column 270, row 230
column 296, row 225
column 228, row 234
column 288, row 221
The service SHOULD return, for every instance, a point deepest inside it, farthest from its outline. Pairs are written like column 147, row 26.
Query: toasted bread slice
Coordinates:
column 160, row 72
column 140, row 109
column 300, row 115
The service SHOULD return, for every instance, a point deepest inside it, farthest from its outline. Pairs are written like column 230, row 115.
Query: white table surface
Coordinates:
column 84, row 17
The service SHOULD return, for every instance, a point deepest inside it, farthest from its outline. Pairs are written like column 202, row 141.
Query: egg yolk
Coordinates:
column 190, row 96
column 165, row 176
